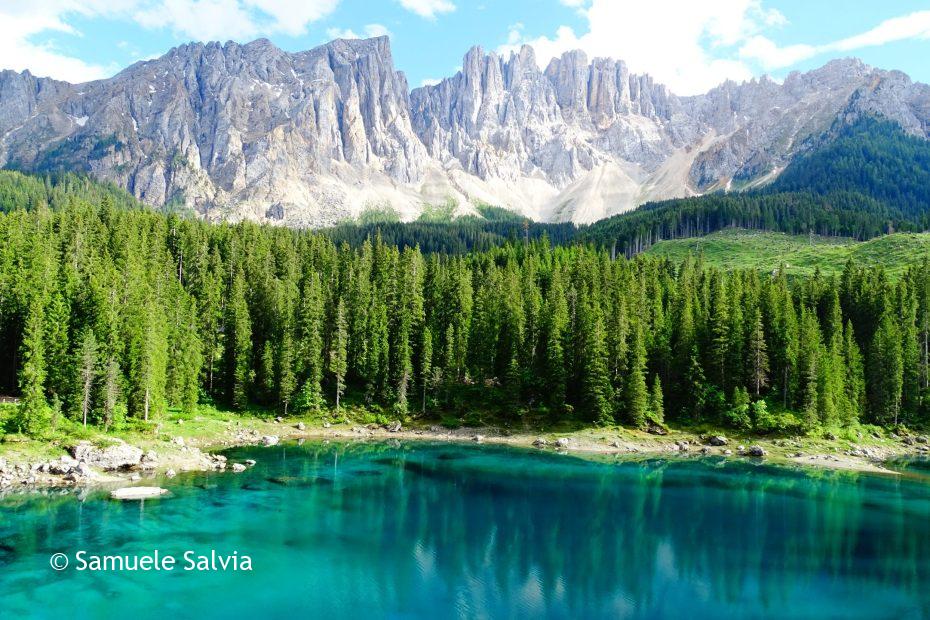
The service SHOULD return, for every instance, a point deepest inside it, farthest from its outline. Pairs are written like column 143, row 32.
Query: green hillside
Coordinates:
column 751, row 249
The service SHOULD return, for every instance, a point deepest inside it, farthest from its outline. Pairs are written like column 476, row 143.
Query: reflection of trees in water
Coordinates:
column 592, row 533
column 485, row 527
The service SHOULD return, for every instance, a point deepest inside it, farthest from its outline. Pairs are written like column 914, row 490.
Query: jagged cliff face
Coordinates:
column 310, row 138
column 233, row 131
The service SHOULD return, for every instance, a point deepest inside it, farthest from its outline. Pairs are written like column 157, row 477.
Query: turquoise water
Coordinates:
column 444, row 531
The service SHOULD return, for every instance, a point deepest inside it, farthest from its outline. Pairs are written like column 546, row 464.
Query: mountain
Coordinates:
column 316, row 137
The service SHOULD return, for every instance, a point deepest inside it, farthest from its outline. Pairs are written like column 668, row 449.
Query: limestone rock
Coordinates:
column 251, row 132
column 136, row 493
column 115, row 456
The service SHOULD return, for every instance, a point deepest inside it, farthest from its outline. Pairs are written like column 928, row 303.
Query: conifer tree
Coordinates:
column 426, row 365
column 885, row 368
column 33, row 408
column 338, row 356
column 87, row 372
column 656, row 406
column 238, row 345
column 758, row 355
column 636, row 395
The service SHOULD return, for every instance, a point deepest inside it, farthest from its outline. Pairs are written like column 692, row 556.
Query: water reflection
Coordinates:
column 426, row 530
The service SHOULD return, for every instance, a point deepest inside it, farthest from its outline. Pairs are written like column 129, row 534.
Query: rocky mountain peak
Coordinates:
column 251, row 131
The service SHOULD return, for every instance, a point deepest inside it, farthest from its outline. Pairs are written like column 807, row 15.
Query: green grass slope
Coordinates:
column 802, row 255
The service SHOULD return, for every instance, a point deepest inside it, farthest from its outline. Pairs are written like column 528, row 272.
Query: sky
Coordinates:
column 690, row 45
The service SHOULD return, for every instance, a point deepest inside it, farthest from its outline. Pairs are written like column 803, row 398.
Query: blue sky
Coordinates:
column 689, row 45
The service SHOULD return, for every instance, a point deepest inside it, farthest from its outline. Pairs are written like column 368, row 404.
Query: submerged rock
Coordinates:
column 132, row 493
column 238, row 467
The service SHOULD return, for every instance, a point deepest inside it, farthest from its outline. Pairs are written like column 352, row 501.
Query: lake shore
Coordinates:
column 192, row 446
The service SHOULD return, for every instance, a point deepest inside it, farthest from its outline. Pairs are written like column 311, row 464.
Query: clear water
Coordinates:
column 444, row 531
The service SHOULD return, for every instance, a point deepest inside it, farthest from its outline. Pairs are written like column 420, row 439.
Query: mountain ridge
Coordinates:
column 249, row 131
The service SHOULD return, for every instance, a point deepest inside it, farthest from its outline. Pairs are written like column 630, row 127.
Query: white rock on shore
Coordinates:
column 119, row 455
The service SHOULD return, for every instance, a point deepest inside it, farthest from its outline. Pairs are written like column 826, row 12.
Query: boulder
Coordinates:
column 756, row 451
column 270, row 440
column 83, row 469
column 393, row 427
column 61, row 467
column 149, row 460
column 562, row 442
column 829, row 436
column 478, row 438
column 655, row 429
column 250, row 462
column 300, row 426
column 136, row 493
column 170, row 473
column 922, row 439
column 540, row 442
column 718, row 440
column 238, row 467
column 113, row 457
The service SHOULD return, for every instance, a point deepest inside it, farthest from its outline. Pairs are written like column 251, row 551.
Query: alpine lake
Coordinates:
column 448, row 530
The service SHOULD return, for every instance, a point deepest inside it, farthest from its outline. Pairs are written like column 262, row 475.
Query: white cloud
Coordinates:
column 428, row 8
column 206, row 20
column 292, row 17
column 771, row 56
column 22, row 23
column 693, row 46
column 913, row 26
column 678, row 42
column 369, row 31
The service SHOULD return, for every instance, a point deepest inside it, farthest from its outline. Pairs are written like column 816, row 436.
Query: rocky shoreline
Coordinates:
column 118, row 463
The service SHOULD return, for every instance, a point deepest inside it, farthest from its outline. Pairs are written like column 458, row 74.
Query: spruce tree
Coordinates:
column 87, row 372
column 656, row 406
column 636, row 394
column 758, row 355
column 338, row 355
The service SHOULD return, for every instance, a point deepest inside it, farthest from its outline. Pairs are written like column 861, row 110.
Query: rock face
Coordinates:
column 109, row 458
column 310, row 138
